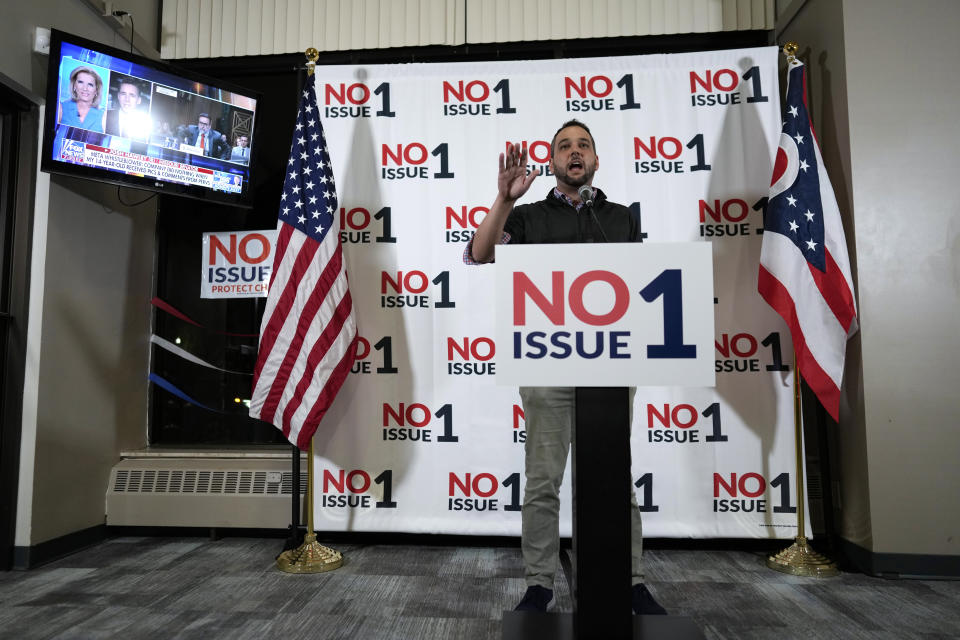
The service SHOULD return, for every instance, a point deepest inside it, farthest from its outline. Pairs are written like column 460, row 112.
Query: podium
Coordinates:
column 610, row 290
column 558, row 626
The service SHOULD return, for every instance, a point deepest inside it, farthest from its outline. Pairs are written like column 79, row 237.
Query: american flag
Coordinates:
column 804, row 266
column 308, row 333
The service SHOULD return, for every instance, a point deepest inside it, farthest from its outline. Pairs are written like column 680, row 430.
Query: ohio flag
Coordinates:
column 804, row 266
column 308, row 332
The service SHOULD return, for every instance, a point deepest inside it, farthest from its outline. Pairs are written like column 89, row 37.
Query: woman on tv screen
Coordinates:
column 83, row 110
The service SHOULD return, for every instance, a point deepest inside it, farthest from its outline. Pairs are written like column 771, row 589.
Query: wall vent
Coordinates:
column 202, row 492
column 205, row 481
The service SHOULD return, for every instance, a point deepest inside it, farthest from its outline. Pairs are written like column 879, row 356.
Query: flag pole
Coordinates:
column 800, row 559
column 311, row 556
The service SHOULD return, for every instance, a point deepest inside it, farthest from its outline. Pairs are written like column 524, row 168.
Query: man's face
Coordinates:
column 85, row 87
column 203, row 124
column 128, row 96
column 242, row 141
column 574, row 160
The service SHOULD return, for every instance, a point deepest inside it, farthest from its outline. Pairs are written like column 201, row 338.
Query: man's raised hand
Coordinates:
column 512, row 179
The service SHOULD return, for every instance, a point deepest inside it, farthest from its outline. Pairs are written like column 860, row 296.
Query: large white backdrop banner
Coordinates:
column 420, row 438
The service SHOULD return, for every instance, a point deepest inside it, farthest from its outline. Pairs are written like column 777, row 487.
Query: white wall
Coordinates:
column 92, row 386
column 902, row 63
column 88, row 348
column 882, row 91
column 72, row 16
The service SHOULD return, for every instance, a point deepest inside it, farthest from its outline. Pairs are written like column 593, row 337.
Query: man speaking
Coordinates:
column 573, row 211
column 202, row 135
column 127, row 121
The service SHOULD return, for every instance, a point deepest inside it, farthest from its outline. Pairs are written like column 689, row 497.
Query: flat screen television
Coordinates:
column 125, row 119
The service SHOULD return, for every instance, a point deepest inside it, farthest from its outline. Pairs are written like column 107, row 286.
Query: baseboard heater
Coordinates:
column 202, row 492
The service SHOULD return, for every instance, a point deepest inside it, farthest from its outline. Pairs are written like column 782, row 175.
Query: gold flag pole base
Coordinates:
column 799, row 559
column 310, row 557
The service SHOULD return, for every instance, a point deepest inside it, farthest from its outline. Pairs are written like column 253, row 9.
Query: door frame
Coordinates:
column 20, row 115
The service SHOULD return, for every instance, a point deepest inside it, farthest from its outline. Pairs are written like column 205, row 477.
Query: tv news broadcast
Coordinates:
column 130, row 120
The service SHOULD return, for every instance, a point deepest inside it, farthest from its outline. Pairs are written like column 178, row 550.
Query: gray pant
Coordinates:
column 549, row 415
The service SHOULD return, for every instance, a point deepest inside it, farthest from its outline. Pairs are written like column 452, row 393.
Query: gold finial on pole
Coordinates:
column 790, row 50
column 312, row 55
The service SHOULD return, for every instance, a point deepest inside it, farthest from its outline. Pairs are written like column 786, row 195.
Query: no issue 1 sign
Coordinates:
column 600, row 315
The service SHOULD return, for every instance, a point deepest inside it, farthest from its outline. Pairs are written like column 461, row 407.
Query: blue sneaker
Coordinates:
column 536, row 598
column 644, row 604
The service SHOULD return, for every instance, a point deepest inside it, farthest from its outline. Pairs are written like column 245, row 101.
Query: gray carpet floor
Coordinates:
column 147, row 587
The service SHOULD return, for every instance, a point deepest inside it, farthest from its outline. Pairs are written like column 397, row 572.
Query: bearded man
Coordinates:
column 549, row 411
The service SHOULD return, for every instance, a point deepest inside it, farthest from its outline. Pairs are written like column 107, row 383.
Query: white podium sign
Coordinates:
column 605, row 315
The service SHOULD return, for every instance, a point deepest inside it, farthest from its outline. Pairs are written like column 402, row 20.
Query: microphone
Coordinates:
column 586, row 194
